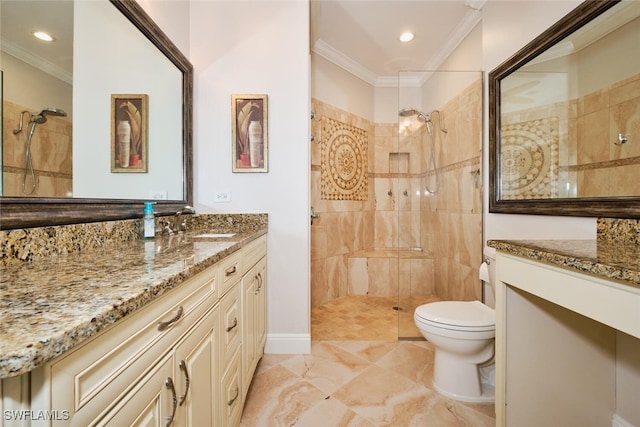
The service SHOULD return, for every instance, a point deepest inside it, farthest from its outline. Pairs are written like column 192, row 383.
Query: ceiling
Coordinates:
column 361, row 36
column 20, row 18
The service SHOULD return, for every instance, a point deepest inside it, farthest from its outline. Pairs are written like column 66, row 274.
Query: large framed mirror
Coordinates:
column 564, row 118
column 117, row 50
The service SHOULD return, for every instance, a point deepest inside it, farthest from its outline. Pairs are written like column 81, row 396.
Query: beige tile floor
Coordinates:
column 362, row 317
column 364, row 380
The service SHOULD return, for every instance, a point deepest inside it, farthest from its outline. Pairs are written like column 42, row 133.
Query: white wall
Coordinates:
column 507, row 26
column 259, row 47
column 335, row 86
column 33, row 88
column 454, row 75
column 172, row 16
column 95, row 80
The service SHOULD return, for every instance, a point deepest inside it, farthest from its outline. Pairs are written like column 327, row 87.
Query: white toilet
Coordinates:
column 463, row 334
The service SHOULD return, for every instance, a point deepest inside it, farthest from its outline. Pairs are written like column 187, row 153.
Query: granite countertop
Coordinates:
column 51, row 305
column 619, row 261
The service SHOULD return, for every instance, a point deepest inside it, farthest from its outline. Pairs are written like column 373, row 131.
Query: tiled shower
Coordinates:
column 51, row 149
column 378, row 231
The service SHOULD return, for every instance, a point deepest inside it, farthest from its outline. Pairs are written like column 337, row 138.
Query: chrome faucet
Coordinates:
column 179, row 225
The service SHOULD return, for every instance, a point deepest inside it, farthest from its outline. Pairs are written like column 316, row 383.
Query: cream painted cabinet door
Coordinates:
column 179, row 390
column 254, row 315
column 196, row 374
column 249, row 300
column 261, row 308
column 151, row 403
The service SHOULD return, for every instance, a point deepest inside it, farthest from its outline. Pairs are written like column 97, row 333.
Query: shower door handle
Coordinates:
column 313, row 215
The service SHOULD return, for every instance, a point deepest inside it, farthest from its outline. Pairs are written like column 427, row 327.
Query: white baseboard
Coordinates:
column 288, row 344
column 618, row 421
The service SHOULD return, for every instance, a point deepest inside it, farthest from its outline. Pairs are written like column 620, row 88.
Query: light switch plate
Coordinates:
column 222, row 196
column 159, row 195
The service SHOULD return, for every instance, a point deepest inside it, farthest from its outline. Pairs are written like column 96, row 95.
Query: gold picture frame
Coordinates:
column 249, row 128
column 129, row 133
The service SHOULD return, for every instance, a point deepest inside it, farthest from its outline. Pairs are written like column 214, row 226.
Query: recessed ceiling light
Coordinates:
column 407, row 36
column 43, row 36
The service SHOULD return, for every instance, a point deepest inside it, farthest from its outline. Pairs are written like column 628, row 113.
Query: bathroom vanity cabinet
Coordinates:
column 184, row 359
column 254, row 297
column 558, row 346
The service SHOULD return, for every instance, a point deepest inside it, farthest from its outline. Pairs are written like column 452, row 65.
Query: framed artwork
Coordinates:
column 129, row 133
column 249, row 133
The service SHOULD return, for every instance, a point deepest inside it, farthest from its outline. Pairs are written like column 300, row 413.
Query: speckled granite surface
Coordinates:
column 614, row 254
column 618, row 230
column 25, row 245
column 52, row 303
column 618, row 261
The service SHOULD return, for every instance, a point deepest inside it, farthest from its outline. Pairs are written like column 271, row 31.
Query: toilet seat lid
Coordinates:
column 458, row 313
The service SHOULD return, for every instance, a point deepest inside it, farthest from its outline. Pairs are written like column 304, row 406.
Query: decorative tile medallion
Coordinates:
column 344, row 161
column 529, row 163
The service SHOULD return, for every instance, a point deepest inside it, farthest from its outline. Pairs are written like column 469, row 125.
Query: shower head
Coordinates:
column 41, row 117
column 408, row 112
column 53, row 112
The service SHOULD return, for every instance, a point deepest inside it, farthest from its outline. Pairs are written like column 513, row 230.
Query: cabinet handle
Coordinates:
column 169, row 384
column 164, row 325
column 257, row 289
column 237, row 391
column 235, row 323
column 232, row 270
column 187, row 382
column 259, row 281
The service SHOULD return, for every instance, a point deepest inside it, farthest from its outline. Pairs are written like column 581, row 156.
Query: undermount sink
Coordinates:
column 213, row 235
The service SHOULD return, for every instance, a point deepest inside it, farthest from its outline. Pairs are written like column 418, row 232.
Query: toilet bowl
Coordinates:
column 463, row 334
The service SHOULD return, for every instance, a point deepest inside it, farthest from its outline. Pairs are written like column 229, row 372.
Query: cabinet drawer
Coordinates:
column 253, row 252
column 99, row 372
column 229, row 272
column 231, row 326
column 232, row 393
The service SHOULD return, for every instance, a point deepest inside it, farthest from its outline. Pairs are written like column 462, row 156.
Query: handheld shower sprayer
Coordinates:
column 34, row 120
column 422, row 117
column 408, row 112
column 42, row 116
column 431, row 162
column 39, row 118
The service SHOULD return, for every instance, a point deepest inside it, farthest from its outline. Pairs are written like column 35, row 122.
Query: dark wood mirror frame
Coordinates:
column 611, row 207
column 20, row 212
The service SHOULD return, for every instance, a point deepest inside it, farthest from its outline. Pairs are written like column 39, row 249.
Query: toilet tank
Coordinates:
column 488, row 288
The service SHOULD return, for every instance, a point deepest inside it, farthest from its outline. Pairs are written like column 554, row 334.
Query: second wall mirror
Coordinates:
column 565, row 118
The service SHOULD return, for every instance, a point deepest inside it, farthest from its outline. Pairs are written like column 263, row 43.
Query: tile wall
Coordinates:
column 51, row 154
column 439, row 235
column 343, row 226
column 451, row 219
column 603, row 166
column 589, row 162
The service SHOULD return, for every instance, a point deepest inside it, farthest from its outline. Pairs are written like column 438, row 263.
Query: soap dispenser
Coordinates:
column 149, row 220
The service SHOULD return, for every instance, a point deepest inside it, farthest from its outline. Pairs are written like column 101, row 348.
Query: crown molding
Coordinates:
column 36, row 61
column 469, row 22
column 328, row 52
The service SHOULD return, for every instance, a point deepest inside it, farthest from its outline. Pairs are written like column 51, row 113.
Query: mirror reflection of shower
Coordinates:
column 34, row 120
column 431, row 162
